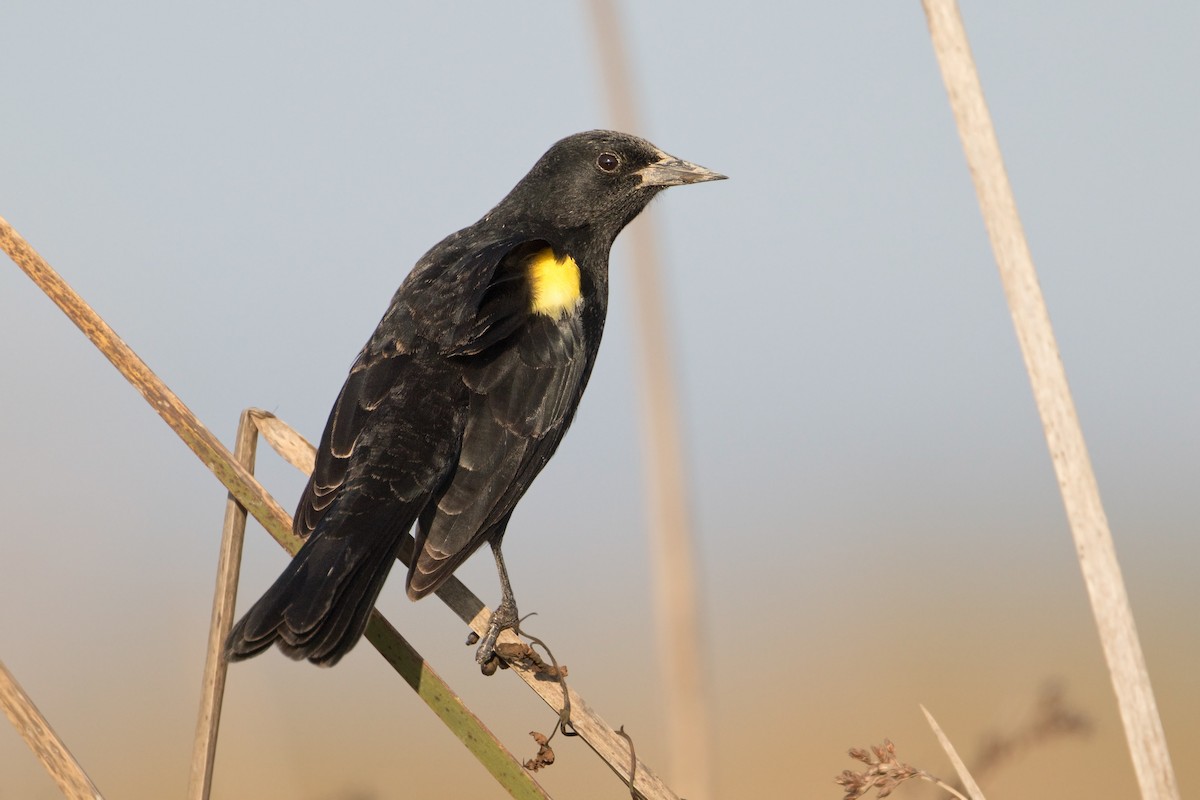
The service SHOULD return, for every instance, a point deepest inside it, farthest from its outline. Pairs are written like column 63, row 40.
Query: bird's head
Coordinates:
column 600, row 180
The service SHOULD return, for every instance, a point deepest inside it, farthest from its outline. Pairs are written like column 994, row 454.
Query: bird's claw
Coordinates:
column 503, row 618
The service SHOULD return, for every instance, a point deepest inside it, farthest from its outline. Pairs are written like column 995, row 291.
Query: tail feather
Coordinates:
column 319, row 607
column 345, row 620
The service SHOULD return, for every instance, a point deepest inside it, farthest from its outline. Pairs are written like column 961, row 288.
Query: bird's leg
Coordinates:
column 503, row 617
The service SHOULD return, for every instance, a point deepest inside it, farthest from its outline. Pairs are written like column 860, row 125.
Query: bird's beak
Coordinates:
column 671, row 171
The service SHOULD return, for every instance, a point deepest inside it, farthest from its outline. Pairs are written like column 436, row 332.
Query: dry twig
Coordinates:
column 229, row 563
column 634, row 794
column 43, row 741
column 964, row 775
column 1064, row 436
column 677, row 600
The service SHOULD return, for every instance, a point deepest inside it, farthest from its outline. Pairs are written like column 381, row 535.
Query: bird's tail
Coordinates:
column 319, row 607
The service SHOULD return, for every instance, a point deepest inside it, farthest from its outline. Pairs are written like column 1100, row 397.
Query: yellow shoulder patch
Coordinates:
column 554, row 281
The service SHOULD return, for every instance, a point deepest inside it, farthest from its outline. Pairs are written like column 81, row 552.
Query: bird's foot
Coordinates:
column 503, row 618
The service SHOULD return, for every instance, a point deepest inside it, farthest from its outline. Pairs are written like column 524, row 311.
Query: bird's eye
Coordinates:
column 607, row 162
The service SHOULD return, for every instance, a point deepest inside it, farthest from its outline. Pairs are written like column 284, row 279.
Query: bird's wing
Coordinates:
column 391, row 438
column 394, row 430
column 474, row 296
column 522, row 398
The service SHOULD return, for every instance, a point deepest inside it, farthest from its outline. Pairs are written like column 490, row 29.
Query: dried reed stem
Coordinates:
column 224, row 603
column 673, row 551
column 43, row 741
column 964, row 774
column 1068, row 451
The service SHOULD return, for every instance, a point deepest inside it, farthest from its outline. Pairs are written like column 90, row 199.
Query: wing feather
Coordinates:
column 522, row 401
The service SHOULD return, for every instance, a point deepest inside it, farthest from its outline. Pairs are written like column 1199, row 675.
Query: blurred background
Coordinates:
column 238, row 189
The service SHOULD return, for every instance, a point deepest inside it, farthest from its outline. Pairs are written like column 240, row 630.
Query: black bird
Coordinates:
column 460, row 397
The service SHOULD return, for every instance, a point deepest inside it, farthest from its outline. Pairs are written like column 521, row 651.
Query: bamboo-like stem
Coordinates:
column 964, row 775
column 673, row 551
column 409, row 664
column 43, row 741
column 259, row 503
column 1068, row 451
column 224, row 602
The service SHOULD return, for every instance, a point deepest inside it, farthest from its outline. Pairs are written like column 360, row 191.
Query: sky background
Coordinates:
column 239, row 188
